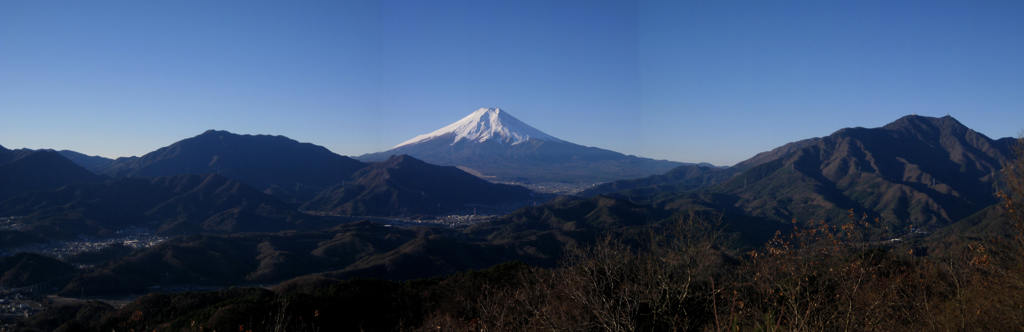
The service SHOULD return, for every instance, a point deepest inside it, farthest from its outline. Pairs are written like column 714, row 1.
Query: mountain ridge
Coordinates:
column 284, row 167
column 916, row 170
column 26, row 171
column 403, row 185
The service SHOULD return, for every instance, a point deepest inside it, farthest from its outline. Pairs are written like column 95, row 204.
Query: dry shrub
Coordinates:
column 1012, row 192
column 665, row 284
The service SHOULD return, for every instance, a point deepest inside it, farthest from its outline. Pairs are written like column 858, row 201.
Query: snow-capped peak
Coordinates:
column 483, row 125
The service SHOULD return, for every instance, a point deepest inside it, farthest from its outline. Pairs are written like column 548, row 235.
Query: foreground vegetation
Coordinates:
column 820, row 278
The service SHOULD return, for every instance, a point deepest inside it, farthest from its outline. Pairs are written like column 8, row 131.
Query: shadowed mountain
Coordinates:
column 169, row 205
column 95, row 164
column 250, row 258
column 7, row 156
column 679, row 179
column 30, row 171
column 23, row 270
column 538, row 235
column 281, row 166
column 917, row 170
column 403, row 185
column 499, row 146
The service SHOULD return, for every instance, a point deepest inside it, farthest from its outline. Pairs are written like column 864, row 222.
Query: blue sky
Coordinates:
column 689, row 81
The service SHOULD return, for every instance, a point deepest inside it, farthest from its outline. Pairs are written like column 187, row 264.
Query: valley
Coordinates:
column 149, row 227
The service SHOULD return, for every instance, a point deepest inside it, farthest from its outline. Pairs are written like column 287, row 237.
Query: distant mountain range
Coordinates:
column 919, row 171
column 95, row 164
column 679, row 179
column 493, row 143
column 916, row 174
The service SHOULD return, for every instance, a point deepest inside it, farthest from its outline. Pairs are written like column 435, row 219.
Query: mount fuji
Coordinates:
column 493, row 144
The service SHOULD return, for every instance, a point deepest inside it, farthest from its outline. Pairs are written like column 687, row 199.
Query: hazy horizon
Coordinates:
column 682, row 81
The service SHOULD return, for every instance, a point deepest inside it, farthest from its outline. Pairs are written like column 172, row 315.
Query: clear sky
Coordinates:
column 714, row 81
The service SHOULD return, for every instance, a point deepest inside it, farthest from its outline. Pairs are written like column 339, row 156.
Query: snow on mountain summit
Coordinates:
column 497, row 146
column 483, row 125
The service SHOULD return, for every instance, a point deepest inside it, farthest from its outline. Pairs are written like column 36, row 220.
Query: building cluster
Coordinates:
column 457, row 220
column 14, row 306
column 71, row 248
column 10, row 223
column 65, row 249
